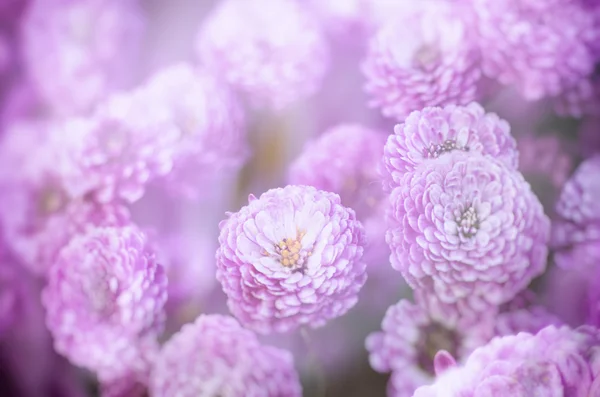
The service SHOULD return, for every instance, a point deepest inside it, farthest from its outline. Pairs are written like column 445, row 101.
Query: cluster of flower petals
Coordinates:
column 435, row 64
column 76, row 52
column 105, row 301
column 434, row 132
column 272, row 50
column 410, row 339
column 524, row 43
column 291, row 258
column 467, row 228
column 215, row 356
column 554, row 362
column 210, row 123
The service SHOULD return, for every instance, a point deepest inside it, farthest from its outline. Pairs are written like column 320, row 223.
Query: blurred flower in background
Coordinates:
column 276, row 198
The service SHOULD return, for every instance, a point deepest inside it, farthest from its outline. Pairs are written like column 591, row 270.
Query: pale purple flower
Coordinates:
column 424, row 56
column 36, row 214
column 272, row 50
column 554, row 362
column 104, row 302
column 127, row 143
column 577, row 230
column 291, row 258
column 76, row 52
column 210, row 124
column 525, row 43
column 411, row 337
column 345, row 160
column 215, row 356
column 434, row 132
column 466, row 228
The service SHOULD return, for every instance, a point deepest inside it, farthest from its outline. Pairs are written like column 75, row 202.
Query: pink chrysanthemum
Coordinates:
column 410, row 340
column 554, row 362
column 36, row 214
column 434, row 64
column 273, row 50
column 78, row 51
column 215, row 356
column 290, row 258
column 104, row 301
column 345, row 160
column 525, row 43
column 434, row 132
column 210, row 124
column 577, row 207
column 466, row 228
column 127, row 143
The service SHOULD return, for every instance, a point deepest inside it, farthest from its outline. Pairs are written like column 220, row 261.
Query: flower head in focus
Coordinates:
column 424, row 57
column 467, row 228
column 104, row 301
column 215, row 356
column 290, row 258
column 272, row 50
column 434, row 132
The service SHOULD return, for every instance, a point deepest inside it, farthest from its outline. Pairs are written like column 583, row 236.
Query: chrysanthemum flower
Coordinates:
column 78, row 51
column 410, row 339
column 524, row 43
column 215, row 356
column 36, row 214
column 127, row 143
column 210, row 123
column 273, row 50
column 576, row 234
column 466, row 228
column 423, row 57
column 434, row 132
column 345, row 160
column 290, row 258
column 554, row 362
column 104, row 301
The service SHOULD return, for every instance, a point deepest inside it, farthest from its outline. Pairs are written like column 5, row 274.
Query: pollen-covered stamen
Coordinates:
column 449, row 145
column 468, row 222
column 291, row 253
column 435, row 337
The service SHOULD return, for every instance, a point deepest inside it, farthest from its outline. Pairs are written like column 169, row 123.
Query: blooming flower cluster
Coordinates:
column 276, row 198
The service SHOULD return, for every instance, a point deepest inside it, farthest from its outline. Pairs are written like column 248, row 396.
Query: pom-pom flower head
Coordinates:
column 290, row 258
column 435, row 132
column 422, row 58
column 467, row 228
column 270, row 49
column 210, row 125
column 410, row 340
column 104, row 301
column 536, row 54
column 554, row 362
column 215, row 356
column 78, row 51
